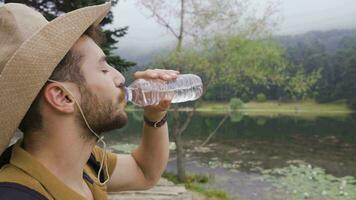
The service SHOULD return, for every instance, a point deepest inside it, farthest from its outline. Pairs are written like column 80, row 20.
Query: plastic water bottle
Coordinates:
column 187, row 87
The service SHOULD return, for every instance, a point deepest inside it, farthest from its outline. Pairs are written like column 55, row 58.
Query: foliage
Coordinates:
column 260, row 97
column 319, row 67
column 299, row 85
column 199, row 20
column 51, row 9
column 196, row 183
column 307, row 182
column 329, row 55
column 217, row 194
column 236, row 103
column 346, row 63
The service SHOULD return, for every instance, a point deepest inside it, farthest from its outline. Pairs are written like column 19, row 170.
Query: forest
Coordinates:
column 317, row 65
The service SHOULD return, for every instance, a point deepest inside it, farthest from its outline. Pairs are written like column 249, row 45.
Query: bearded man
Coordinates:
column 58, row 89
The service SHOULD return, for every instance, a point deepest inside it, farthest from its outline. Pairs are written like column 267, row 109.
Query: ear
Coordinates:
column 59, row 99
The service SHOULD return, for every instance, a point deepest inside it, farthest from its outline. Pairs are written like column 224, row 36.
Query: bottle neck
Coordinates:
column 128, row 94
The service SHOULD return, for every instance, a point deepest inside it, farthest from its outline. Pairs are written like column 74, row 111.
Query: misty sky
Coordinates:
column 298, row 16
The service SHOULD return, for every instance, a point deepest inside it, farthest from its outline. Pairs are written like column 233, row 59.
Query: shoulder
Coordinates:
column 10, row 191
column 9, row 173
column 14, row 180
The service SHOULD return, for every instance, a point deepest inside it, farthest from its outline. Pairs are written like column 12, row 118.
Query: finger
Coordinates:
column 166, row 76
column 148, row 74
column 173, row 71
column 173, row 74
column 162, row 74
column 169, row 71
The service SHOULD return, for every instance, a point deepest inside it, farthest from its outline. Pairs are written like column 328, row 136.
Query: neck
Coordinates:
column 63, row 153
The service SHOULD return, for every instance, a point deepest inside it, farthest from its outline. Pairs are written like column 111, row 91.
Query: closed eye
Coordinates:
column 105, row 71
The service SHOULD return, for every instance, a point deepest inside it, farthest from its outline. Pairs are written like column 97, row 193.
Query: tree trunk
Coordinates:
column 178, row 129
column 181, row 28
column 180, row 157
column 179, row 144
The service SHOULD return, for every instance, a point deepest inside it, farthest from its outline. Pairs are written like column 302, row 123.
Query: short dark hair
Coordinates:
column 67, row 70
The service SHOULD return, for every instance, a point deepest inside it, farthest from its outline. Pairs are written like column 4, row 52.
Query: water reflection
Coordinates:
column 327, row 142
column 248, row 146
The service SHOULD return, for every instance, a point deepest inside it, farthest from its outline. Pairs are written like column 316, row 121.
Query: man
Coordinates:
column 56, row 86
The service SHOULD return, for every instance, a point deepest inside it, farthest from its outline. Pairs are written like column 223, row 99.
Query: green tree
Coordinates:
column 345, row 62
column 310, row 71
column 51, row 9
column 245, row 65
column 194, row 21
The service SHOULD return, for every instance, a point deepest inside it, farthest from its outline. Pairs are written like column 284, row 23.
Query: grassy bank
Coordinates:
column 196, row 183
column 272, row 108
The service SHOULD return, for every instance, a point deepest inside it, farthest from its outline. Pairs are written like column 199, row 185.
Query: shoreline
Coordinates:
column 307, row 109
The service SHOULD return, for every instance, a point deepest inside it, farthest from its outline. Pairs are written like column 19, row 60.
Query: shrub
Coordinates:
column 261, row 97
column 236, row 103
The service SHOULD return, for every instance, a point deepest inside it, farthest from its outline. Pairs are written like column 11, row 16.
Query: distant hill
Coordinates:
column 330, row 40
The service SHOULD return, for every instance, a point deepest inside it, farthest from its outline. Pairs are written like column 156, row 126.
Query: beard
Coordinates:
column 102, row 116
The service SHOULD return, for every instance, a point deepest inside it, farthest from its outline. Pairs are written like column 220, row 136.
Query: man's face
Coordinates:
column 102, row 96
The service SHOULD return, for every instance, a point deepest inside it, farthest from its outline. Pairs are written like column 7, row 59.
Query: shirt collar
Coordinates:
column 26, row 162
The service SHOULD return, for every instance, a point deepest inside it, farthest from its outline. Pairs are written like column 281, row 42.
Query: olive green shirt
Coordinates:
column 24, row 169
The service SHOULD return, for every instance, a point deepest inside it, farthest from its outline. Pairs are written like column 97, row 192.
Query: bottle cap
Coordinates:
column 127, row 94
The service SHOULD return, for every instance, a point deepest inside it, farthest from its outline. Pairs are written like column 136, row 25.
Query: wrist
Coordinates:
column 154, row 116
column 156, row 124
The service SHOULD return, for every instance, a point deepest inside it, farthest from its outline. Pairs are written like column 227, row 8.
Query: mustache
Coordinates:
column 122, row 94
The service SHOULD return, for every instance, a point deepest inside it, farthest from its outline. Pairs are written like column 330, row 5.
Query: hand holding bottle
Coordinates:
column 145, row 92
column 156, row 112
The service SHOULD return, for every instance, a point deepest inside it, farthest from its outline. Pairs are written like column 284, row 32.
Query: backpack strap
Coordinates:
column 95, row 165
column 5, row 156
column 11, row 191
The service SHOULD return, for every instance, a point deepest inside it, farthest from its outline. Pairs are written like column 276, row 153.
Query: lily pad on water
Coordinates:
column 172, row 146
column 308, row 182
column 202, row 149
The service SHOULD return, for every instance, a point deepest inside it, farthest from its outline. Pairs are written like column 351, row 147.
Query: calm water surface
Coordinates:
column 245, row 148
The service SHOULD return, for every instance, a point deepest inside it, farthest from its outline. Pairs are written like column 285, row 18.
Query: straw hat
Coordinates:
column 30, row 49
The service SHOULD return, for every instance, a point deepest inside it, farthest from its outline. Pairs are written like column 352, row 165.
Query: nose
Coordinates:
column 119, row 80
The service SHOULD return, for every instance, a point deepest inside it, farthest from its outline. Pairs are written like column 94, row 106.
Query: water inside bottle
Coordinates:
column 188, row 94
column 148, row 92
column 140, row 97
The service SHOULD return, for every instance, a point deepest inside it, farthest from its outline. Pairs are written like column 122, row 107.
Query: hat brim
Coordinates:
column 32, row 64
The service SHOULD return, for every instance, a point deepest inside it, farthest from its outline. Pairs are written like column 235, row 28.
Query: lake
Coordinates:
column 267, row 157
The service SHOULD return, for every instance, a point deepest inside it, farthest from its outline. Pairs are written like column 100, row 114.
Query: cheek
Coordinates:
column 103, row 88
column 102, row 91
column 108, row 92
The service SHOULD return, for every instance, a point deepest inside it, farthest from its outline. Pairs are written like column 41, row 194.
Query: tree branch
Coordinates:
column 163, row 22
column 215, row 131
